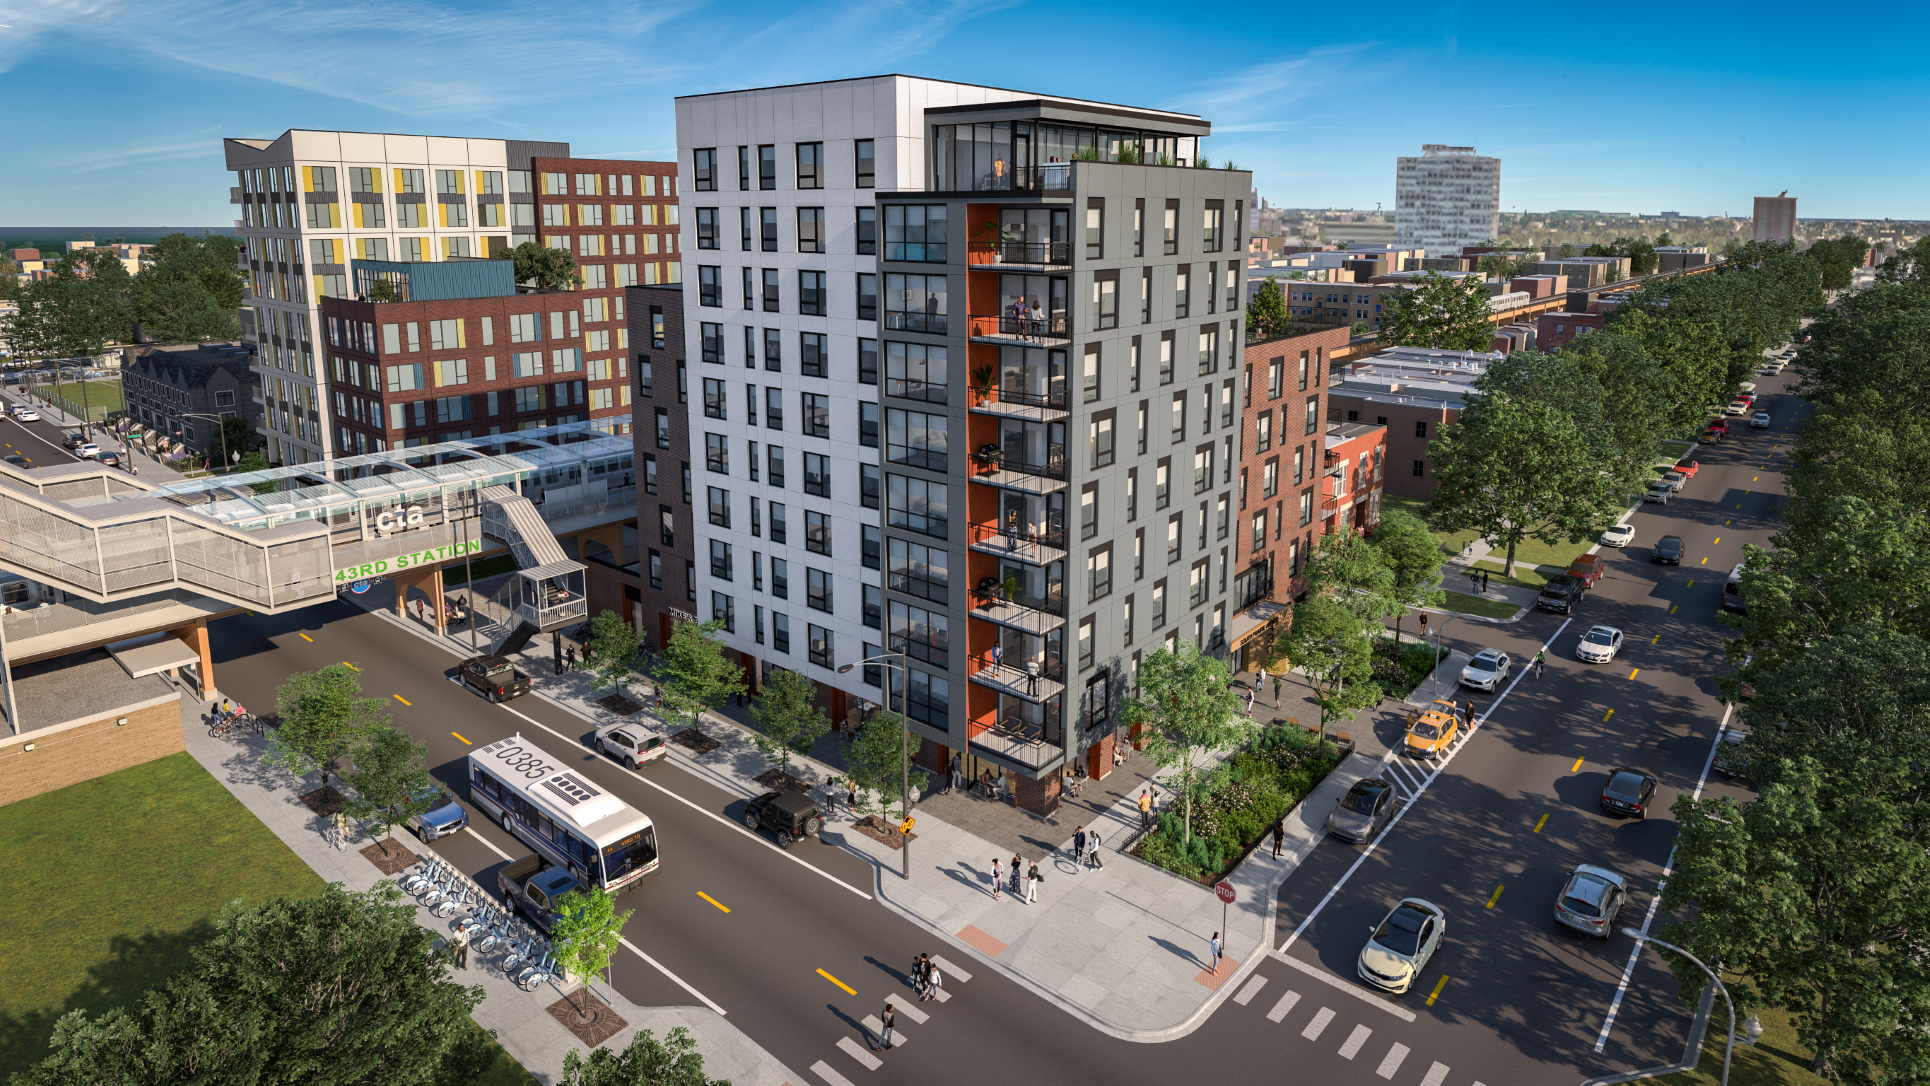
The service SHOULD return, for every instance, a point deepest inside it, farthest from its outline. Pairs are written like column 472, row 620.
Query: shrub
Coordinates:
column 1239, row 803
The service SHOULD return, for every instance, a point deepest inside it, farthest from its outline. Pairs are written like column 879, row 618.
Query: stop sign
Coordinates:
column 1225, row 890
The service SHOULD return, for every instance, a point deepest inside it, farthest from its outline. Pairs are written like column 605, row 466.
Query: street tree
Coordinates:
column 180, row 311
column 1267, row 314
column 787, row 717
column 543, row 266
column 1438, row 312
column 1514, row 469
column 1331, row 646
column 1186, row 711
column 77, row 311
column 324, row 719
column 611, row 654
column 1838, row 258
column 1414, row 559
column 646, row 1061
column 391, row 782
column 339, row 988
column 876, row 755
column 1624, row 421
column 1910, row 264
column 693, row 674
column 587, row 931
column 1691, row 356
column 1351, row 567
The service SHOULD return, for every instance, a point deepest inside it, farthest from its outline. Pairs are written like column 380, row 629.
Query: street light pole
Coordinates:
column 904, row 751
column 1754, row 1025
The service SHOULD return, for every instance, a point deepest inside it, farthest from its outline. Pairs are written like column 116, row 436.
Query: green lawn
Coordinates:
column 102, row 397
column 1776, row 1060
column 145, row 858
column 1526, row 576
column 1451, row 542
column 1462, row 603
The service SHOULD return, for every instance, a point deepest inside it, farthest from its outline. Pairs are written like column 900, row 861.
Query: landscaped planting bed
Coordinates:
column 1238, row 807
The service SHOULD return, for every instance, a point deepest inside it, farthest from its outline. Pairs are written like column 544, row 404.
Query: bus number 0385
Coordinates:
column 531, row 765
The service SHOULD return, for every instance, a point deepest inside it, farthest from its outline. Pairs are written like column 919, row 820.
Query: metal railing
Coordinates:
column 914, row 388
column 1029, row 744
column 990, row 458
column 1042, row 253
column 1056, row 399
column 1012, row 539
column 992, row 593
column 1055, row 328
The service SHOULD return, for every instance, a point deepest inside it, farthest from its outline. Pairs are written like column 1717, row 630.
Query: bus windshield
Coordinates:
column 632, row 853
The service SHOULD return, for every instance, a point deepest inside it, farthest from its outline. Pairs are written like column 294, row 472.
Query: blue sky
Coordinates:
column 116, row 108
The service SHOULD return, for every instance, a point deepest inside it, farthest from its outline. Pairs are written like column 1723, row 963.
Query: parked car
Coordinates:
column 1431, row 733
column 1586, row 568
column 1628, row 792
column 1590, row 900
column 1399, row 947
column 23, row 413
column 1688, row 467
column 1732, row 591
column 109, row 457
column 1361, row 813
column 88, row 450
column 531, row 886
column 631, row 744
column 1728, row 760
column 1748, row 398
column 1760, row 420
column 1560, row 594
column 1721, row 425
column 1674, row 480
column 1667, row 550
column 1599, row 645
column 1737, row 407
column 494, row 677
column 17, row 461
column 789, row 815
column 441, row 820
column 1618, row 536
column 1486, row 670
column 1659, row 492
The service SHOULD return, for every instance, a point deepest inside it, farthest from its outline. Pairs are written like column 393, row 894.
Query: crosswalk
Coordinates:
column 1322, row 1023
column 907, row 1011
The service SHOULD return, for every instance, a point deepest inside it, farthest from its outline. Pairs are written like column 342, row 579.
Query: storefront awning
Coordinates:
column 1252, row 619
column 153, row 657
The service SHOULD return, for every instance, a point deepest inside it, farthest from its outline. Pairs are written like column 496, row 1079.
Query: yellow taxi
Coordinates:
column 1432, row 730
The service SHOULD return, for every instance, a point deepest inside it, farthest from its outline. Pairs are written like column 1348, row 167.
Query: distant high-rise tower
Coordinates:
column 1775, row 217
column 1447, row 198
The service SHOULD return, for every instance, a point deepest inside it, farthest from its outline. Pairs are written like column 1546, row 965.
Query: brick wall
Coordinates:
column 86, row 751
column 1283, row 528
column 1405, row 444
column 1041, row 797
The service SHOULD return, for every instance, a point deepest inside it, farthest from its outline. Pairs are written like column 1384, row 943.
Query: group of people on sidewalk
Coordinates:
column 1025, row 887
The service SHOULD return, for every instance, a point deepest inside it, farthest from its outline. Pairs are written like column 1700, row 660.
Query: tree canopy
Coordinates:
column 542, row 266
column 1186, row 712
column 1267, row 314
column 787, row 717
column 1439, row 312
column 694, row 675
column 324, row 719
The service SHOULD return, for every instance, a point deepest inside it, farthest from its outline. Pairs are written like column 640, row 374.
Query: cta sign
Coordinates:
column 384, row 566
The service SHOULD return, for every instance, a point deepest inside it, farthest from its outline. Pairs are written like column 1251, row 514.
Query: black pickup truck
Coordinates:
column 494, row 677
column 531, row 886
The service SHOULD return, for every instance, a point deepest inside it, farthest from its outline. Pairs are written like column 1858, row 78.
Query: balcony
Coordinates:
column 1014, row 680
column 1031, row 548
column 994, row 467
column 1007, row 254
column 1016, row 402
column 1007, row 330
column 1021, row 743
column 1028, row 613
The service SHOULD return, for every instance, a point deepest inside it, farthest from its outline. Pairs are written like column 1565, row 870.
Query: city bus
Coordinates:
column 562, row 815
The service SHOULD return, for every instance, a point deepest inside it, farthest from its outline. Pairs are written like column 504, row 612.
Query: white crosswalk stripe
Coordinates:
column 1319, row 1024
column 1435, row 1075
column 1387, row 1066
column 877, row 1027
column 1354, row 1040
column 823, row 1071
column 1285, row 1005
column 908, row 1006
column 1252, row 989
column 857, row 1052
column 952, row 972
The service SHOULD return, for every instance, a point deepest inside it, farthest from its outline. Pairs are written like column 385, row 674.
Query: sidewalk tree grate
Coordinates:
column 398, row 859
column 696, row 741
column 779, row 781
column 981, row 941
column 619, row 704
column 599, row 1025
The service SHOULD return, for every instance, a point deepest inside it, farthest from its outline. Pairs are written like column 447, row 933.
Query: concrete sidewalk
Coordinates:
column 522, row 1026
column 1123, row 947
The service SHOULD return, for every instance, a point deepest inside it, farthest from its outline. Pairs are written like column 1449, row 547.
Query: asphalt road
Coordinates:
column 39, row 441
column 1522, row 1001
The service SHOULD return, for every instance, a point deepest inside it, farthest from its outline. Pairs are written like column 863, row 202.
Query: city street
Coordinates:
column 791, row 946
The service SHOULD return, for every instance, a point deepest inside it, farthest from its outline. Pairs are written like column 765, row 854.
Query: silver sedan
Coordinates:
column 1599, row 645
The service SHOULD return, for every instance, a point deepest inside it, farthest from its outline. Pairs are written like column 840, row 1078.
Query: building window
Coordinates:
column 719, row 501
column 917, row 506
column 868, row 485
column 1420, row 469
column 914, row 371
column 1105, row 299
column 720, row 560
column 663, row 428
column 713, row 343
column 780, row 632
column 1099, row 574
column 817, row 415
column 916, row 303
column 709, row 289
column 810, row 165
column 1090, row 377
column 1101, row 441
column 774, row 461
column 1170, row 233
column 656, row 570
column 817, row 476
column 706, row 228
column 916, row 439
column 918, row 570
column 821, row 651
column 1420, row 428
column 767, row 217
column 706, row 169
column 780, row 578
column 810, row 230
column 717, row 454
column 724, row 609
column 1313, row 417
column 920, row 634
column 1213, row 226
column 867, row 231
column 867, row 164
column 767, row 166
column 810, row 294
column 915, row 233
column 868, row 362
column 1086, row 649
column 773, row 302
column 817, row 526
column 817, row 590
column 1095, row 227
column 867, row 296
column 871, row 544
column 714, row 406
column 873, row 609
column 1263, row 432
column 868, row 427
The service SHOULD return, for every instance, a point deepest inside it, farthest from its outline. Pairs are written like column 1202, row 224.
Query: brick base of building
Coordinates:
column 1041, row 797
column 86, row 751
column 934, row 758
column 1099, row 758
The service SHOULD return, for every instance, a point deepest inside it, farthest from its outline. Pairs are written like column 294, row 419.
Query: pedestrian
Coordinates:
column 934, row 984
column 1279, row 836
column 1032, row 877
column 1474, row 580
column 1484, row 582
column 1249, row 702
column 1423, row 625
column 997, row 877
column 341, row 831
column 461, row 943
column 1216, row 953
column 569, row 657
column 1541, row 662
column 1261, row 672
column 1078, row 845
column 1016, row 875
column 1032, row 678
column 1092, row 857
column 890, row 1022
column 957, row 772
column 1145, row 808
column 851, row 796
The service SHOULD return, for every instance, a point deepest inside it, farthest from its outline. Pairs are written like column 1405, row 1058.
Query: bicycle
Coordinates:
column 422, row 878
column 443, row 887
column 448, row 905
column 534, row 977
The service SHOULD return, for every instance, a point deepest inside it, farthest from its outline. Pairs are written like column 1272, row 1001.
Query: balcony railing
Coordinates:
column 1051, row 254
column 1026, row 546
column 917, row 388
column 992, row 593
column 1015, row 677
column 900, row 320
column 1036, row 746
column 1053, row 399
column 990, row 459
column 1046, row 329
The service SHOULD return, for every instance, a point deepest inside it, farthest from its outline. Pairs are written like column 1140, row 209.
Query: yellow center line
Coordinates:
column 1691, row 584
column 402, row 699
column 1672, row 607
column 350, row 666
column 1431, row 996
column 1705, row 561
column 726, row 908
column 308, row 639
column 1719, row 538
column 1634, row 673
column 458, row 736
column 1738, row 505
column 1611, row 712
column 837, row 982
column 1540, row 824
column 1576, row 768
column 1728, row 522
column 1494, row 897
column 1756, row 479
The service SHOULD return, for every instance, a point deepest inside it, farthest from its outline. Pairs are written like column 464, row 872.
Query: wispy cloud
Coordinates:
column 202, row 144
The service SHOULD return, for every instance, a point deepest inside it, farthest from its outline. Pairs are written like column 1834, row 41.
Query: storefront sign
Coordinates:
column 684, row 615
column 384, row 566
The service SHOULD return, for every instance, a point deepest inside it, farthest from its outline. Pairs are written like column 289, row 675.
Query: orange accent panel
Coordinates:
column 981, row 709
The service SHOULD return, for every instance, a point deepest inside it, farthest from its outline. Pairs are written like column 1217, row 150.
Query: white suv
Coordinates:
column 631, row 744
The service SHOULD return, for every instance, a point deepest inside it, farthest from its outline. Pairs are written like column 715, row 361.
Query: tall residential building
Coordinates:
column 1775, row 217
column 313, row 201
column 884, row 264
column 1447, row 198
